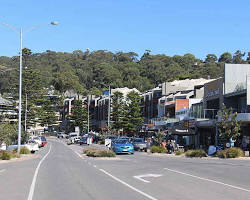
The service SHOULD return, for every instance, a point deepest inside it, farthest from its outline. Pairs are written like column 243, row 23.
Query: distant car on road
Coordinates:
column 61, row 135
column 139, row 144
column 44, row 141
column 122, row 146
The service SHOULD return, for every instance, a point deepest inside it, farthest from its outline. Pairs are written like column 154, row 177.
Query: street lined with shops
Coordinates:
column 67, row 174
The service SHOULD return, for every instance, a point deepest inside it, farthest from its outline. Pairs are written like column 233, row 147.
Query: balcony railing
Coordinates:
column 204, row 114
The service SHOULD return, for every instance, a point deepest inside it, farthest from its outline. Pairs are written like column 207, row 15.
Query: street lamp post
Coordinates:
column 88, row 111
column 20, row 78
column 109, row 109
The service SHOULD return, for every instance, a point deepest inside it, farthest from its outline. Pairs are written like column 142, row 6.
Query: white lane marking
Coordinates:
column 78, row 154
column 32, row 187
column 210, row 180
column 2, row 170
column 140, row 177
column 94, row 166
column 126, row 184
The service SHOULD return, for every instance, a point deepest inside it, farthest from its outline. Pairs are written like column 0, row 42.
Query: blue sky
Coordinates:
column 171, row 27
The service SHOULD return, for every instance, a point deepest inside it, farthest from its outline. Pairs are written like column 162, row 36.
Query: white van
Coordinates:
column 74, row 137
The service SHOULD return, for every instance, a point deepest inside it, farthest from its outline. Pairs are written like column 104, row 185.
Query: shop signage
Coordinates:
column 181, row 130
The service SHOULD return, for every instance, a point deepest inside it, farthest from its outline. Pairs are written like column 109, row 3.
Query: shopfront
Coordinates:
column 184, row 135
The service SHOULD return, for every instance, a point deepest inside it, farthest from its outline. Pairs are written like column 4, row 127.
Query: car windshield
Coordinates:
column 138, row 140
column 121, row 141
column 73, row 136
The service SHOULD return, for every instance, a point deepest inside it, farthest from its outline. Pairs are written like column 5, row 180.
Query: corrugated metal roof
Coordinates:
column 5, row 102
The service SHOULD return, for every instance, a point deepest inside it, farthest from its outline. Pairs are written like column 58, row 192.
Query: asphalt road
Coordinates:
column 60, row 172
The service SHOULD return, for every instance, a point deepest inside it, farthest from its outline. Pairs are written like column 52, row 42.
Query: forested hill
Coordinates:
column 86, row 72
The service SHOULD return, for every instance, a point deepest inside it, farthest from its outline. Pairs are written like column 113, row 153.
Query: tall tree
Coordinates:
column 117, row 113
column 48, row 115
column 133, row 119
column 226, row 57
column 79, row 115
column 238, row 57
column 211, row 58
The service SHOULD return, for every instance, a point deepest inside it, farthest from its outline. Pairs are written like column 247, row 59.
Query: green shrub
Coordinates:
column 90, row 149
column 178, row 153
column 230, row 153
column 196, row 153
column 96, row 152
column 14, row 150
column 234, row 153
column 5, row 155
column 24, row 150
column 221, row 154
column 157, row 149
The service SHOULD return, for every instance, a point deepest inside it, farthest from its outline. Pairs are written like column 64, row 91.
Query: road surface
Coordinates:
column 60, row 172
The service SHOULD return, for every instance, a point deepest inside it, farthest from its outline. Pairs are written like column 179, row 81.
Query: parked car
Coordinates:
column 44, row 141
column 31, row 145
column 139, row 144
column 37, row 139
column 111, row 137
column 74, row 137
column 61, row 135
column 83, row 140
column 122, row 146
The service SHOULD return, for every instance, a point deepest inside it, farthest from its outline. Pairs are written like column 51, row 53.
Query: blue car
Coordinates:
column 122, row 146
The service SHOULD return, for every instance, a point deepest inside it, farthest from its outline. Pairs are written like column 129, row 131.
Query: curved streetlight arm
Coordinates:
column 28, row 29
column 15, row 29
column 38, row 26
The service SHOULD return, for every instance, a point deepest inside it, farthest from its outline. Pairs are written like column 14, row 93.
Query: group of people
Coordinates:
column 170, row 145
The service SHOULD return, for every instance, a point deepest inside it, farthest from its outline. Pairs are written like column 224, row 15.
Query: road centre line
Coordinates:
column 209, row 180
column 32, row 187
column 129, row 186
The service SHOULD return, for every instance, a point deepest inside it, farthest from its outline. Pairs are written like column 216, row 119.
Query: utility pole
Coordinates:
column 25, row 122
column 109, row 109
column 20, row 93
column 88, row 112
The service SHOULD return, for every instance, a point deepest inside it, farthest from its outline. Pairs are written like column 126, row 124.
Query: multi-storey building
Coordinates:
column 8, row 112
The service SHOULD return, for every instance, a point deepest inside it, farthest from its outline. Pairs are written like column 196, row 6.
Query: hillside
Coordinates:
column 86, row 72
